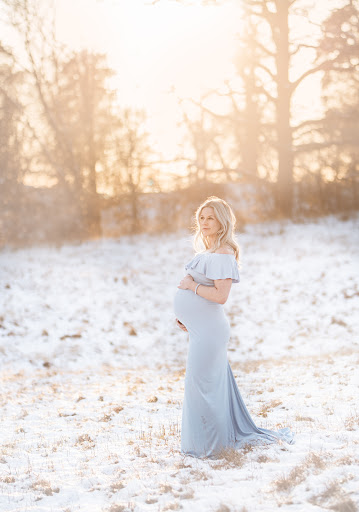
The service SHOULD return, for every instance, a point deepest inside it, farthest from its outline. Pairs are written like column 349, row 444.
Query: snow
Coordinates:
column 93, row 365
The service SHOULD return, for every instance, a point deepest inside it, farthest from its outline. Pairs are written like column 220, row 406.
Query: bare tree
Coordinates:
column 341, row 99
column 84, row 106
column 69, row 110
column 12, row 160
column 131, row 170
column 280, row 89
column 262, row 110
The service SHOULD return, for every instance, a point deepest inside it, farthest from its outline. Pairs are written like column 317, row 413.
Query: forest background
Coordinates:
column 278, row 137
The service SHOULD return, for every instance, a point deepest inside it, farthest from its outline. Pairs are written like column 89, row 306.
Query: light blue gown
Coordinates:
column 214, row 415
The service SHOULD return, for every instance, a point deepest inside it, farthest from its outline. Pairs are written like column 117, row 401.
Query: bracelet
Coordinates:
column 195, row 292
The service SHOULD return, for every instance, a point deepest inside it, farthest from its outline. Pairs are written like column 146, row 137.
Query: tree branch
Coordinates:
column 262, row 90
column 268, row 16
column 300, row 46
column 264, row 49
column 320, row 67
column 312, row 146
column 265, row 14
column 272, row 75
column 59, row 170
column 308, row 122
column 219, row 152
column 206, row 109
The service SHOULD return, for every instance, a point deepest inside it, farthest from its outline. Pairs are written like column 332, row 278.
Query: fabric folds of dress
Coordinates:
column 215, row 266
column 214, row 415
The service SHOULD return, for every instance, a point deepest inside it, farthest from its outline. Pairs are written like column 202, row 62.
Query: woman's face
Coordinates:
column 208, row 223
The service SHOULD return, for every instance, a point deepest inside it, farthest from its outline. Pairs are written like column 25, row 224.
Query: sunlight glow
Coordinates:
column 169, row 50
column 159, row 52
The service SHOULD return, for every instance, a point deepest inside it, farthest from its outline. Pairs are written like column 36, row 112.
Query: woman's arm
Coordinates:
column 217, row 293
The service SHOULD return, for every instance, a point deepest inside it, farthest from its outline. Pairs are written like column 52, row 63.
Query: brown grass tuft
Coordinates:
column 299, row 473
column 303, row 418
column 334, row 498
column 44, row 487
column 7, row 479
column 268, row 407
column 352, row 421
column 264, row 458
column 223, row 508
column 165, row 488
column 172, row 506
column 117, row 486
column 230, row 457
column 117, row 508
column 198, row 474
column 295, row 477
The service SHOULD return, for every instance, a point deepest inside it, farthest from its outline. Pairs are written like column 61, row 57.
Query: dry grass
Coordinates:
column 352, row 421
column 347, row 460
column 199, row 475
column 117, row 508
column 7, row 479
column 231, row 457
column 164, row 488
column 85, row 441
column 316, row 460
column 264, row 458
column 334, row 498
column 121, row 507
column 175, row 505
column 117, row 486
column 105, row 431
column 313, row 461
column 263, row 411
column 295, row 477
column 223, row 508
column 44, row 487
column 303, row 418
column 187, row 495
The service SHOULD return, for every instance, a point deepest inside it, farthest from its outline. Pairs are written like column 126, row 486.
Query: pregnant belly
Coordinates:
column 197, row 313
column 183, row 305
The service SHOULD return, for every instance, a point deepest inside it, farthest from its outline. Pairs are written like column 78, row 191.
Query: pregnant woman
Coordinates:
column 214, row 415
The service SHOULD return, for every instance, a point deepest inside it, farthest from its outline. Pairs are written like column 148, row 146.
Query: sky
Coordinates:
column 166, row 49
column 156, row 49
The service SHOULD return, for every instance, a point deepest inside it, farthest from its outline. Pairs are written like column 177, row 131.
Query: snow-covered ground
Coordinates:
column 93, row 365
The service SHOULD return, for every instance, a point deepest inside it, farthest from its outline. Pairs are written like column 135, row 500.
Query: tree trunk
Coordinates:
column 284, row 196
column 250, row 153
column 134, row 209
column 354, row 186
column 93, row 206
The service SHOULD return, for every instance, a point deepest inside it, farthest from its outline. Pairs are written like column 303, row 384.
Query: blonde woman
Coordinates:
column 214, row 415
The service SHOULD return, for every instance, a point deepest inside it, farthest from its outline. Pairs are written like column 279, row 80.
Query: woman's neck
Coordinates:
column 211, row 242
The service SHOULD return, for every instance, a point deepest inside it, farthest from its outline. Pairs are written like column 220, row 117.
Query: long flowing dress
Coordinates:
column 214, row 415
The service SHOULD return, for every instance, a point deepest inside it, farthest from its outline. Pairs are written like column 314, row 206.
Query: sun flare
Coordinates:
column 160, row 52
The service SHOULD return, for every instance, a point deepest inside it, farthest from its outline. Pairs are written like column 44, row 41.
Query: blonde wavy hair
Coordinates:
column 225, row 235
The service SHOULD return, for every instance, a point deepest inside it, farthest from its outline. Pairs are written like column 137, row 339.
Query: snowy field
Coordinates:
column 93, row 365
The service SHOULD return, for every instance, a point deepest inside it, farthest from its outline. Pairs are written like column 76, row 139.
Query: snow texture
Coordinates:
column 93, row 365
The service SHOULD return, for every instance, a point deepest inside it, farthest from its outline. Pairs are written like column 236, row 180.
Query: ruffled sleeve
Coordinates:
column 215, row 266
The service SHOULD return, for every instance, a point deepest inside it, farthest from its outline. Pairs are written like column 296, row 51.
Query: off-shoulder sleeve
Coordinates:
column 215, row 266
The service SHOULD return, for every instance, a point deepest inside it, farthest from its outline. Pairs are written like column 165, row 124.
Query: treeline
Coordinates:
column 62, row 125
column 63, row 129
column 313, row 164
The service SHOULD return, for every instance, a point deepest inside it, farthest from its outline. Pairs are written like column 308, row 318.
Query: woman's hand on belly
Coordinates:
column 180, row 325
column 186, row 283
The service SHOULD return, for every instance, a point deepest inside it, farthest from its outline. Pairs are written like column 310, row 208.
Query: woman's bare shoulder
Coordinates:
column 224, row 249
